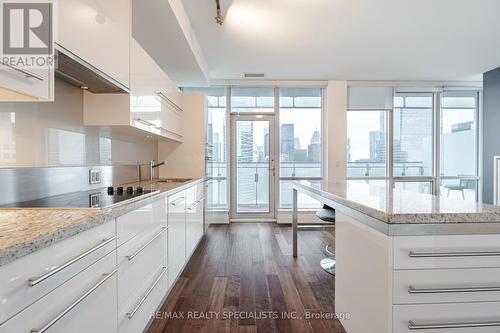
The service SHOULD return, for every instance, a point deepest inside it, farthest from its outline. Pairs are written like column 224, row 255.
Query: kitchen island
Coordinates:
column 410, row 262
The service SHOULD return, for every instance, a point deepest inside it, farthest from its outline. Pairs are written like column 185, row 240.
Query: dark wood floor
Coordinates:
column 248, row 269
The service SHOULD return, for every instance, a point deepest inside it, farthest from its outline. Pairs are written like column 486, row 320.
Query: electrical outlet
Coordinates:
column 94, row 176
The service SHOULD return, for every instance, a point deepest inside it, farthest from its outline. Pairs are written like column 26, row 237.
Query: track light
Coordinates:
column 219, row 19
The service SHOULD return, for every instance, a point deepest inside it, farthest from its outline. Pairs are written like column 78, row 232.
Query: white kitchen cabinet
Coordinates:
column 142, row 265
column 426, row 252
column 142, row 220
column 20, row 84
column 85, row 303
column 152, row 106
column 437, row 283
column 446, row 285
column 445, row 315
column 140, row 314
column 194, row 218
column 139, row 259
column 176, row 208
column 97, row 31
column 29, row 278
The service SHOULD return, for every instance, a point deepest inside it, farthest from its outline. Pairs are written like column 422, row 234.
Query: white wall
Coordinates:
column 186, row 159
column 335, row 131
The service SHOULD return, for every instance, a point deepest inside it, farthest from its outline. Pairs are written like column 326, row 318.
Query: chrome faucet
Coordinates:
column 152, row 166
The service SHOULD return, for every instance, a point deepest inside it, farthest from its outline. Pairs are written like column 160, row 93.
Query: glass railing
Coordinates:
column 378, row 169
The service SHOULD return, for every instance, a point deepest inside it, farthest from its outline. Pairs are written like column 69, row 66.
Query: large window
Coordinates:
column 459, row 142
column 447, row 165
column 216, row 147
column 413, row 135
column 300, row 144
column 367, row 143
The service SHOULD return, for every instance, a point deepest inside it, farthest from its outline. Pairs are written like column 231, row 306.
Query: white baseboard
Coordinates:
column 216, row 217
column 284, row 217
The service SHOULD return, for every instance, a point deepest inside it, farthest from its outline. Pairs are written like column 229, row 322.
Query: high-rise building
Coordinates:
column 216, row 147
column 287, row 142
column 296, row 143
column 314, row 148
column 245, row 141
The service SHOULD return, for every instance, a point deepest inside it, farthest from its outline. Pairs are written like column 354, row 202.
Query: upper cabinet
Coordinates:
column 152, row 105
column 98, row 32
column 23, row 85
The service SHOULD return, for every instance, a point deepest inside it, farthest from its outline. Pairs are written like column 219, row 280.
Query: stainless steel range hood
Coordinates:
column 78, row 72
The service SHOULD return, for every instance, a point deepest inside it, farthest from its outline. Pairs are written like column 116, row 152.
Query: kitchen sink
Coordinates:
column 174, row 180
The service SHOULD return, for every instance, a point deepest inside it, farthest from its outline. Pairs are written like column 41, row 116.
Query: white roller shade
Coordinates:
column 369, row 98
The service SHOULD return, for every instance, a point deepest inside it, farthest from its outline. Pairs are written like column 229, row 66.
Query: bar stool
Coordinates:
column 327, row 214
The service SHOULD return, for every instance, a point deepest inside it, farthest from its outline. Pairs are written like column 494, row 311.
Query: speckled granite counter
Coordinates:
column 24, row 231
column 402, row 212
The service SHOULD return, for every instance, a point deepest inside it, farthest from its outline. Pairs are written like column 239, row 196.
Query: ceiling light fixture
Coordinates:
column 219, row 19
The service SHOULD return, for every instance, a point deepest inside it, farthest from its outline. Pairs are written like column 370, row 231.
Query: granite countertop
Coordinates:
column 26, row 230
column 394, row 206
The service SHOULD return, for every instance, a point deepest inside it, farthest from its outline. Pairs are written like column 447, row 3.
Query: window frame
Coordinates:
column 435, row 178
column 278, row 177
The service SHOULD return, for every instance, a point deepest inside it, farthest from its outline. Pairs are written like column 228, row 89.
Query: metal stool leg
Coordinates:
column 328, row 264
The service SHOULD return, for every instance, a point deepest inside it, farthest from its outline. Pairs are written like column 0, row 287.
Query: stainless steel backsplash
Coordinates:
column 22, row 184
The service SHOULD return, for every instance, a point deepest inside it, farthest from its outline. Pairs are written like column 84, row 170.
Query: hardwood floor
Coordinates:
column 247, row 269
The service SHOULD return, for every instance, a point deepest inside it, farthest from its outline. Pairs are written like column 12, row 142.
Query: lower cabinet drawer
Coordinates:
column 140, row 312
column 445, row 318
column 446, row 286
column 29, row 278
column 450, row 251
column 143, row 219
column 139, row 260
column 85, row 303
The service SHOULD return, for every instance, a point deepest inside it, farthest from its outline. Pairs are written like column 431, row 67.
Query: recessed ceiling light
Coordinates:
column 84, row 87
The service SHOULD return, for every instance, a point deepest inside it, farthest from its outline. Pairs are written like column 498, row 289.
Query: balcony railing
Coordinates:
column 378, row 169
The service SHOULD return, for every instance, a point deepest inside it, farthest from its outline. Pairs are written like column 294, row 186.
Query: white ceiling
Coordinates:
column 349, row 39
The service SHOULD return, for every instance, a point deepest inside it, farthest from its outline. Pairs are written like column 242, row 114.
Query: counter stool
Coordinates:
column 327, row 214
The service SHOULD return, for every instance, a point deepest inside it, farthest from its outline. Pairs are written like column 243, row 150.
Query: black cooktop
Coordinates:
column 100, row 198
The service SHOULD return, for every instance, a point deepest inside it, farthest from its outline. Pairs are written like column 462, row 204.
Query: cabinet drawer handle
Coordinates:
column 196, row 203
column 26, row 73
column 133, row 255
column 36, row 280
column 413, row 254
column 412, row 290
column 145, row 122
column 143, row 299
column 168, row 101
column 75, row 303
column 413, row 326
column 173, row 203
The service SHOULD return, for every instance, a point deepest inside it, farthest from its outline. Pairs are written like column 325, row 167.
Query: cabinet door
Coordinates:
column 171, row 119
column 98, row 31
column 176, row 208
column 85, row 303
column 194, row 222
column 26, row 280
column 142, row 220
column 26, row 85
